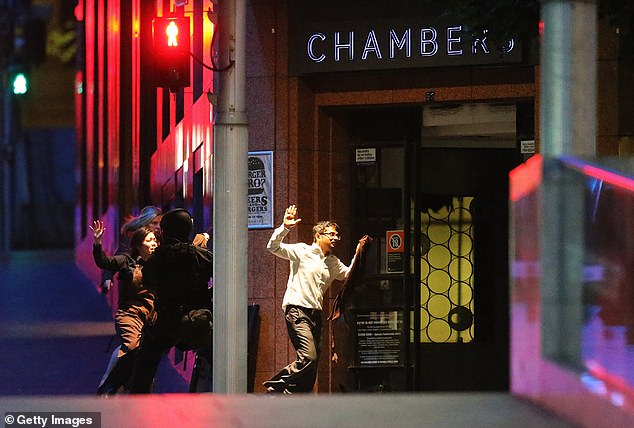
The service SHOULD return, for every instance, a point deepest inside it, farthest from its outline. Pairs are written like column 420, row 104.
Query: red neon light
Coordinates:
column 610, row 177
column 524, row 179
column 599, row 173
column 527, row 177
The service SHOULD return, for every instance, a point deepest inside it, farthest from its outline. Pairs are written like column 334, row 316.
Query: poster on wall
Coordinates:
column 379, row 337
column 260, row 197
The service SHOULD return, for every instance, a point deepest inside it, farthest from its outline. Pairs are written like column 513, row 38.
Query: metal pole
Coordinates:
column 568, row 127
column 230, row 154
column 568, row 73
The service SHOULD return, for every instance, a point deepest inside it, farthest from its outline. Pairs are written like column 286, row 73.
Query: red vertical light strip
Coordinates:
column 206, row 119
column 136, row 95
column 159, row 119
column 89, row 95
column 178, row 154
column 114, row 94
column 101, row 97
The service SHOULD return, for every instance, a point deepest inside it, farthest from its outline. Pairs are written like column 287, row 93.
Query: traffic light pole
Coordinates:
column 230, row 158
column 6, row 18
column 6, row 155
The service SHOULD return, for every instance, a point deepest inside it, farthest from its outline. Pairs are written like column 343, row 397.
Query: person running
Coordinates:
column 313, row 268
column 178, row 276
column 135, row 306
column 150, row 216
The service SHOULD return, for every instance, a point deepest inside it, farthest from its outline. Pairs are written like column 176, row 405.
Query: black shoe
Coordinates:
column 107, row 391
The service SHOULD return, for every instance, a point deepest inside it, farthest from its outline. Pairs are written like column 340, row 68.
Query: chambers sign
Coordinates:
column 376, row 45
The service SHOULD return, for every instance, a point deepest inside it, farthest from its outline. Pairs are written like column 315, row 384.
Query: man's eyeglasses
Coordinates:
column 331, row 234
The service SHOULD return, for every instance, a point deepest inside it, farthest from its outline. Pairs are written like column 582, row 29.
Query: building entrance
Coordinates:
column 431, row 312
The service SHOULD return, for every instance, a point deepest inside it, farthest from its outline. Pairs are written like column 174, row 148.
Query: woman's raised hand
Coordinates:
column 98, row 228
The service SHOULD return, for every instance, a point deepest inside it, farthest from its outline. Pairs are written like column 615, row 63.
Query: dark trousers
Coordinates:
column 156, row 341
column 304, row 330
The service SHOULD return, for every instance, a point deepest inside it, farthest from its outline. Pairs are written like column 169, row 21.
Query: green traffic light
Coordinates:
column 20, row 84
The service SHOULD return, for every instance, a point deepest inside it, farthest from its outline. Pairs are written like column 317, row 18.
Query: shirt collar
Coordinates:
column 316, row 249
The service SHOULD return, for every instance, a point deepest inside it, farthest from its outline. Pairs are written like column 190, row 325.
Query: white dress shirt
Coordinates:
column 311, row 273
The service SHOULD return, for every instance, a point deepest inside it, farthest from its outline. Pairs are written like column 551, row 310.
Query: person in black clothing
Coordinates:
column 136, row 305
column 177, row 275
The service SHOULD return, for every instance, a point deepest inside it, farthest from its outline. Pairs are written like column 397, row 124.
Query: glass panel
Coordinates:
column 378, row 202
column 608, row 278
column 446, row 266
column 572, row 291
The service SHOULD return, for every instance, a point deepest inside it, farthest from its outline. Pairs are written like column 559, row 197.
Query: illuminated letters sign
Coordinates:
column 407, row 43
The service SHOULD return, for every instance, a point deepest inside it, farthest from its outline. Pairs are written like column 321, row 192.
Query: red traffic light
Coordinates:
column 171, row 55
column 171, row 31
column 171, row 34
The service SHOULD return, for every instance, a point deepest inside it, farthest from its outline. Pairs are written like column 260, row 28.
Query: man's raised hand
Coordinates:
column 290, row 217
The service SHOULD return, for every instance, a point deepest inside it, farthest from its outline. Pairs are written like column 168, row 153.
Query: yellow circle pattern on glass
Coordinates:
column 439, row 281
column 460, row 294
column 439, row 256
column 439, row 233
column 446, row 271
column 460, row 219
column 460, row 269
column 460, row 244
column 439, row 331
column 439, row 306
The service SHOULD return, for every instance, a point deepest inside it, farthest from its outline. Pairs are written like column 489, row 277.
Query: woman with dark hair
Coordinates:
column 150, row 216
column 135, row 306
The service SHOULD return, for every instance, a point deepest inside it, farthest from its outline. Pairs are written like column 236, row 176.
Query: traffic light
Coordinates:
column 19, row 81
column 25, row 47
column 20, row 84
column 171, row 55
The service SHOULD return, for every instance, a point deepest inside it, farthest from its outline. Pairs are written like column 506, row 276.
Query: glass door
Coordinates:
column 381, row 141
column 459, row 330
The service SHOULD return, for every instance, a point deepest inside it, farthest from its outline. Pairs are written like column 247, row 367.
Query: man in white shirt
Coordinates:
column 312, row 269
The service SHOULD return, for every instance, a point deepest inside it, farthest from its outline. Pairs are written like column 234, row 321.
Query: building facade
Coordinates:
column 386, row 119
